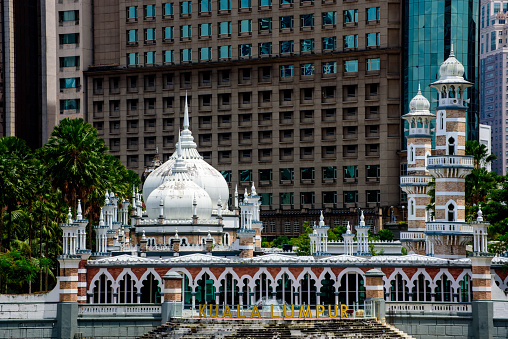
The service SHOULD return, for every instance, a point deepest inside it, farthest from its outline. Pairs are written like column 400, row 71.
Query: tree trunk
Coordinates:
column 40, row 248
column 9, row 231
column 1, row 226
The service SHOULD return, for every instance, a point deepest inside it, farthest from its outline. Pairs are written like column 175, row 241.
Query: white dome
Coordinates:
column 200, row 172
column 419, row 103
column 451, row 67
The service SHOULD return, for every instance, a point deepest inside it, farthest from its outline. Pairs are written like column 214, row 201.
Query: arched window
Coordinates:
column 263, row 288
column 411, row 154
column 421, row 290
column 398, row 289
column 352, row 289
column 452, row 92
column 451, row 146
column 451, row 212
column 127, row 291
column 102, row 291
column 228, row 291
column 465, row 289
column 205, row 291
column 327, row 291
column 284, row 289
column 308, row 290
column 441, row 121
column 412, row 208
column 443, row 289
column 151, row 291
column 420, row 124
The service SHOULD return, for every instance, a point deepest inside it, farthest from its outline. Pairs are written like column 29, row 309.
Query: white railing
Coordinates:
column 426, row 307
column 412, row 236
column 449, row 227
column 192, row 247
column 119, row 309
column 451, row 160
column 415, row 180
column 162, row 247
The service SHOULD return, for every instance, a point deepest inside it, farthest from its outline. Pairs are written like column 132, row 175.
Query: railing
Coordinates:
column 412, row 236
column 412, row 180
column 451, row 160
column 448, row 227
column 119, row 310
column 394, row 308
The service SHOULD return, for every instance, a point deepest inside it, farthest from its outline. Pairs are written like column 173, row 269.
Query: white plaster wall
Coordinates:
column 30, row 306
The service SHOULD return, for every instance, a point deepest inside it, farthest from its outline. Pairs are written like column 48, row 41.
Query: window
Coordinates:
column 286, row 22
column 70, row 61
column 66, row 16
column 149, row 11
column 286, row 71
column 329, row 43
column 306, row 199
column 287, row 174
column 225, row 27
column 287, row 224
column 284, row 2
column 69, row 83
column 265, row 25
column 228, row 175
column 150, row 58
column 245, row 4
column 132, row 12
column 169, row 9
column 350, row 197
column 169, row 56
column 330, row 67
column 373, row 196
column 205, row 30
column 265, row 3
column 287, row 199
column 351, row 66
column 373, row 13
column 329, row 197
column 265, row 175
column 307, row 45
column 373, row 39
column 330, row 172
column 186, row 55
column 205, row 6
column 133, row 59
column 67, row 39
column 245, row 175
column 329, row 18
column 245, row 26
column 266, row 198
column 69, row 104
column 307, row 173
column 186, row 31
column 169, row 33
column 186, row 7
column 373, row 64
column 224, row 52
column 150, row 35
column 265, row 48
column 350, row 172
column 373, row 171
column 307, row 20
column 287, row 46
column 351, row 16
column 451, row 212
column 224, row 5
column 205, row 53
column 351, row 41
column 307, row 69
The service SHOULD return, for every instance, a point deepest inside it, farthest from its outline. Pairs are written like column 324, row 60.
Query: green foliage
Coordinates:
column 373, row 252
column 279, row 241
column 385, row 235
column 335, row 233
column 403, row 250
column 17, row 269
column 303, row 240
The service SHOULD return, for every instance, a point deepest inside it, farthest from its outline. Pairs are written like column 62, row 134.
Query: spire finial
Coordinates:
column 80, row 211
column 419, row 89
column 186, row 114
column 362, row 220
column 176, row 233
column 101, row 219
column 253, row 189
column 348, row 230
column 451, row 50
column 179, row 149
column 69, row 216
column 144, row 236
column 480, row 213
column 321, row 219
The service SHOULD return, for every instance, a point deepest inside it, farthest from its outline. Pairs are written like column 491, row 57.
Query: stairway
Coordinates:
column 272, row 328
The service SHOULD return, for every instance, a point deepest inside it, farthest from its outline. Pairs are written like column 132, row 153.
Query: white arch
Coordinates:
column 398, row 270
column 139, row 283
column 97, row 277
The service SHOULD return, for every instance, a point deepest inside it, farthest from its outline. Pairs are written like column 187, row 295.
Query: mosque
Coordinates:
column 189, row 247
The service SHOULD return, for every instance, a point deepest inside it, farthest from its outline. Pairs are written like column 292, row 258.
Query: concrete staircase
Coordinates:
column 271, row 328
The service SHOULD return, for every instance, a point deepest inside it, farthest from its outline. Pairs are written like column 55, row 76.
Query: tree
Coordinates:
column 385, row 235
column 303, row 240
column 480, row 153
column 335, row 233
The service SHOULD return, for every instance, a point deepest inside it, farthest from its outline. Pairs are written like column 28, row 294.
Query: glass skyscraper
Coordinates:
column 430, row 27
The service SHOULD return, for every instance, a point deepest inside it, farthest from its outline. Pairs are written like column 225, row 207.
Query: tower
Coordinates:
column 319, row 238
column 415, row 184
column 449, row 233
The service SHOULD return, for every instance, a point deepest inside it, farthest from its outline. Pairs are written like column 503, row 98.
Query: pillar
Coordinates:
column 482, row 306
column 246, row 243
column 172, row 307
column 67, row 308
column 374, row 292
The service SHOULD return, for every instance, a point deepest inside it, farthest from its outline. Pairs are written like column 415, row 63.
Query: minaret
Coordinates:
column 348, row 240
column 362, row 237
column 320, row 237
column 449, row 233
column 415, row 183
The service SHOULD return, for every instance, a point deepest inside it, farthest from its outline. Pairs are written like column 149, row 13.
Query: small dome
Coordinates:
column 419, row 103
column 451, row 67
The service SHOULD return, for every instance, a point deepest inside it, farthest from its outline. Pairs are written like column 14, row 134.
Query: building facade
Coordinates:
column 301, row 98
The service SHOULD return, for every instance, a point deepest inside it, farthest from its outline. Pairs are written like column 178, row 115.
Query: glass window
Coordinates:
column 287, row 174
column 245, row 26
column 373, row 171
column 329, row 18
column 186, row 54
column 224, row 5
column 228, row 175
column 330, row 67
column 307, row 20
column 351, row 66
column 351, row 15
column 169, row 9
column 307, row 45
column 69, row 83
column 373, row 39
column 265, row 2
column 169, row 32
column 245, row 175
column 330, row 172
column 205, row 53
column 245, row 50
column 132, row 12
column 245, row 3
column 205, row 6
column 71, row 38
column 351, row 41
column 149, row 11
column 286, row 22
column 350, row 197
column 265, row 24
column 266, row 198
column 186, row 7
column 286, row 71
column 70, row 61
column 287, row 46
column 150, row 34
column 265, row 48
column 282, row 2
column 225, row 27
column 205, row 30
column 373, row 13
column 373, row 64
column 306, row 198
column 169, row 56
column 329, row 197
column 186, row 31
column 373, row 196
column 132, row 35
column 307, row 173
column 307, row 69
column 69, row 16
column 69, row 104
column 133, row 59
column 330, row 43
column 224, row 52
column 350, row 172
column 150, row 57
column 287, row 198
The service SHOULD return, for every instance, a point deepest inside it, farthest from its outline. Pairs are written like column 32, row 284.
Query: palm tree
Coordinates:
column 480, row 153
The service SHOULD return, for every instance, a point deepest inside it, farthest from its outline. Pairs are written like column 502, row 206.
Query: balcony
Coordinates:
column 412, row 236
column 448, row 228
column 450, row 161
column 415, row 180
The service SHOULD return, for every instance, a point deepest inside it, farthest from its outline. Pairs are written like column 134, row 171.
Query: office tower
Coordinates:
column 300, row 97
column 493, row 71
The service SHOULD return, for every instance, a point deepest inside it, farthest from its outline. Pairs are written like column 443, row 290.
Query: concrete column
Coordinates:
column 374, row 292
column 246, row 240
column 482, row 306
column 67, row 309
column 172, row 307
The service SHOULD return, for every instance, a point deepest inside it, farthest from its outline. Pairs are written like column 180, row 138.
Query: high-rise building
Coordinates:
column 300, row 97
column 493, row 75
